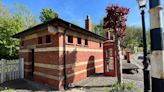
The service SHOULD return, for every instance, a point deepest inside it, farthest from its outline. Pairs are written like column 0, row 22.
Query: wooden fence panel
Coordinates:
column 11, row 69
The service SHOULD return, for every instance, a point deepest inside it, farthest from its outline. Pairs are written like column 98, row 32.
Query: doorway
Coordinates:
column 33, row 60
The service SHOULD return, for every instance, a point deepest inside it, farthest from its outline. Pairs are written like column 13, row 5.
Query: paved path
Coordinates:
column 137, row 59
column 23, row 85
column 100, row 83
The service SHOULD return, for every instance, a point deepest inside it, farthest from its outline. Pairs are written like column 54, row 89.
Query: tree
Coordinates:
column 10, row 24
column 23, row 12
column 98, row 29
column 47, row 14
column 116, row 20
column 132, row 38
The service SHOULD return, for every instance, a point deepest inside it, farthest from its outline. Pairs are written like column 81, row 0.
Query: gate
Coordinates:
column 11, row 69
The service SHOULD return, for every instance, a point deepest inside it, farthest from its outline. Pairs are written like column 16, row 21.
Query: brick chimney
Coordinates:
column 88, row 23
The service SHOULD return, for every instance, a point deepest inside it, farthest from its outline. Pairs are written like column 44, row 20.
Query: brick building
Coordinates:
column 59, row 53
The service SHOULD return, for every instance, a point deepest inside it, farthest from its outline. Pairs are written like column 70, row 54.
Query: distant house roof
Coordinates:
column 62, row 23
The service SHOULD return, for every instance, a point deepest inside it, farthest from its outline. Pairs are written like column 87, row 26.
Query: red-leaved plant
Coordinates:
column 116, row 20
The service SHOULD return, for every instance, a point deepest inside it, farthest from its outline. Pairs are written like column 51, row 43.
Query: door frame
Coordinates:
column 33, row 62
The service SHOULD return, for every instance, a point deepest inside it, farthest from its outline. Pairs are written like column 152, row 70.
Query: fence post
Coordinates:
column 21, row 68
column 2, row 70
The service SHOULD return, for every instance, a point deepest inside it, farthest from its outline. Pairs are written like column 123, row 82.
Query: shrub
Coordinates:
column 125, row 87
column 5, row 89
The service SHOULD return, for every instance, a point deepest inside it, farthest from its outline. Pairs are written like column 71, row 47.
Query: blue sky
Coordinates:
column 76, row 10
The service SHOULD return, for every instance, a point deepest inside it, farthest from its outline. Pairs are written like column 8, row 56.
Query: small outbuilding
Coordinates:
column 59, row 53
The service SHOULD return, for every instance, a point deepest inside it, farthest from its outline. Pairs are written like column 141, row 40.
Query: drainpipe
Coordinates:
column 64, row 58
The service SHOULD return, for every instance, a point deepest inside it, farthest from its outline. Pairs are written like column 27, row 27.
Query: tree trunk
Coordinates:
column 118, row 60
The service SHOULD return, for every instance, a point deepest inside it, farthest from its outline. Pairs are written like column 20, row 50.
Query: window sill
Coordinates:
column 69, row 44
column 86, row 46
column 44, row 44
column 78, row 44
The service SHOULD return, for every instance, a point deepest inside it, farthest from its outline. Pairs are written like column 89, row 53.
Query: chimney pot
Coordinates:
column 88, row 23
column 88, row 17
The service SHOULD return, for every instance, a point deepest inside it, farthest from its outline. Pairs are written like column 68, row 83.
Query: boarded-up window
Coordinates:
column 100, row 44
column 70, row 39
column 48, row 39
column 78, row 40
column 86, row 41
column 40, row 40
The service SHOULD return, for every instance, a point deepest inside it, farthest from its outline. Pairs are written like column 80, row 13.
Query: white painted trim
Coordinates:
column 24, row 50
column 27, row 70
column 157, row 64
column 156, row 17
column 47, row 49
column 60, row 78
column 60, row 67
column 27, row 63
column 61, row 49
column 83, row 63
column 82, row 71
column 50, row 66
column 49, row 76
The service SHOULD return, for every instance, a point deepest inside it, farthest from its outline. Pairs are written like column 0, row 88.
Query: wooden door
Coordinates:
column 33, row 60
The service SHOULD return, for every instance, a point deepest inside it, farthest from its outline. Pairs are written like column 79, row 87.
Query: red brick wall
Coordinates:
column 81, row 63
column 41, row 57
column 74, row 73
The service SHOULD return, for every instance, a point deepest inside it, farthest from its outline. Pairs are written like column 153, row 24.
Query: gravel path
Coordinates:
column 100, row 83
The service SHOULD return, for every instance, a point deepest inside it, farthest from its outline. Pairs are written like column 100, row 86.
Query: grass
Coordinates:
column 5, row 89
column 125, row 87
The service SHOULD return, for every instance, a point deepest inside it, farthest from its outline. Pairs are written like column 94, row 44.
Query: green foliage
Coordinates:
column 98, row 29
column 23, row 12
column 133, row 38
column 10, row 24
column 125, row 87
column 5, row 89
column 47, row 14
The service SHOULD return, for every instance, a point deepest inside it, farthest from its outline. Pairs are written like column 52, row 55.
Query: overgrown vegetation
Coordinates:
column 98, row 29
column 5, row 89
column 47, row 14
column 125, row 87
column 13, row 21
column 133, row 37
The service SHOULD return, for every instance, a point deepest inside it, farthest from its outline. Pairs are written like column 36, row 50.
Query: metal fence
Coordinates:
column 11, row 69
